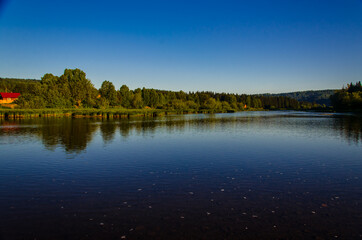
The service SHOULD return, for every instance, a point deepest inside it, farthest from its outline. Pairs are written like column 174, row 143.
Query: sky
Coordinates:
column 251, row 46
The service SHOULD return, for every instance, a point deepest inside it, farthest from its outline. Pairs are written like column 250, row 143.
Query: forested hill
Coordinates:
column 16, row 84
column 318, row 96
column 348, row 99
column 73, row 90
column 313, row 96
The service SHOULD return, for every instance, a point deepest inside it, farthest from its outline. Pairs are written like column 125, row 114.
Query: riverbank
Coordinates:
column 98, row 113
column 7, row 113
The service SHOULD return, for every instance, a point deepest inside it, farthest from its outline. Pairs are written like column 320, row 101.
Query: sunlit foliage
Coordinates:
column 74, row 90
column 349, row 98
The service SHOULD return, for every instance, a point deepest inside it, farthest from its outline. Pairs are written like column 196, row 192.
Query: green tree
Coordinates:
column 108, row 91
column 248, row 102
column 125, row 96
column 51, row 92
column 154, row 98
column 210, row 103
column 137, row 101
column 78, row 85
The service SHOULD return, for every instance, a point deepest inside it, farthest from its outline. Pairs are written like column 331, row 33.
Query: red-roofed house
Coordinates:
column 8, row 97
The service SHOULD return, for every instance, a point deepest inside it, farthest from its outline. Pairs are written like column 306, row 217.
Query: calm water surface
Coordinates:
column 250, row 175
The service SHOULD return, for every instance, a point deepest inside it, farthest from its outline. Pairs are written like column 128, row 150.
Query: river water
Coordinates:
column 248, row 175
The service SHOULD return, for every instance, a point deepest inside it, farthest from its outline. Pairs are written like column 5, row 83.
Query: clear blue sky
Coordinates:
column 251, row 46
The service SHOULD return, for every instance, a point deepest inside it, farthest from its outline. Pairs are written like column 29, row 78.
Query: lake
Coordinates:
column 247, row 175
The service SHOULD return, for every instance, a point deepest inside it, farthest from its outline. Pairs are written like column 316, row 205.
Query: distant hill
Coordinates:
column 317, row 96
column 17, row 84
column 17, row 80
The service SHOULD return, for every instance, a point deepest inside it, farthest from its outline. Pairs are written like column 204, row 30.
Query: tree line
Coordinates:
column 349, row 98
column 314, row 96
column 73, row 90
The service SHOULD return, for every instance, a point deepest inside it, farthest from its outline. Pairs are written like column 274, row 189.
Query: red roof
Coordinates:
column 9, row 95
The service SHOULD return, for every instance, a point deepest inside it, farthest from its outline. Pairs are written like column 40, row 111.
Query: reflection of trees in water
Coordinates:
column 149, row 126
column 108, row 130
column 349, row 127
column 124, row 128
column 72, row 134
column 75, row 134
column 145, row 127
column 10, row 130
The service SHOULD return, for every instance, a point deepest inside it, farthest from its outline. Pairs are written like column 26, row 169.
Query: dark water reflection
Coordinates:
column 349, row 127
column 74, row 134
column 254, row 175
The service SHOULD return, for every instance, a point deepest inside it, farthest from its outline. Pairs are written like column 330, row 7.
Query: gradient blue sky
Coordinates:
column 224, row 46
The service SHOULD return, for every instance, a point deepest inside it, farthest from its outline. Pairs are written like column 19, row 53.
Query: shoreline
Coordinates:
column 121, row 113
column 100, row 113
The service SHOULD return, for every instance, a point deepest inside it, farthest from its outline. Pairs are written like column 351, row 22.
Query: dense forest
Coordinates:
column 349, row 98
column 74, row 90
column 314, row 96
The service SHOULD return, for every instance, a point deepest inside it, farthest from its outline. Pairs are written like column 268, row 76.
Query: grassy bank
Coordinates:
column 97, row 113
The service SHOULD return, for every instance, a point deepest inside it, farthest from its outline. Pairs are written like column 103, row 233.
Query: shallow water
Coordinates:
column 249, row 175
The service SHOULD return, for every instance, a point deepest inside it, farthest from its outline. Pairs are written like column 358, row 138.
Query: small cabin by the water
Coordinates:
column 8, row 97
